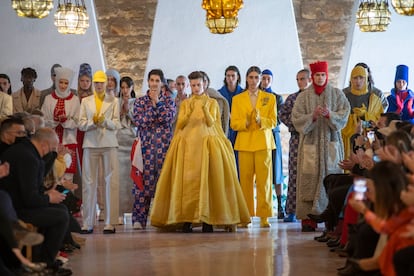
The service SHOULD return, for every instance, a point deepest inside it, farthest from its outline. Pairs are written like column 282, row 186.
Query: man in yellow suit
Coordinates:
column 253, row 116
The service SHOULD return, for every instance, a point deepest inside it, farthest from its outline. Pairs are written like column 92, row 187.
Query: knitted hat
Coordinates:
column 99, row 76
column 85, row 70
column 317, row 67
column 401, row 73
column 267, row 72
column 359, row 71
column 54, row 66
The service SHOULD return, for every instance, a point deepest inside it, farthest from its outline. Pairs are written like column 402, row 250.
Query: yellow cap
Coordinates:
column 99, row 76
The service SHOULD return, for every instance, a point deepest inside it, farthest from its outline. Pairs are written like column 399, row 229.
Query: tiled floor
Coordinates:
column 281, row 250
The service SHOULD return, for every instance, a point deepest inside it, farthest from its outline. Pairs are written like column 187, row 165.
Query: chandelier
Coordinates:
column 71, row 18
column 32, row 8
column 403, row 7
column 373, row 15
column 221, row 15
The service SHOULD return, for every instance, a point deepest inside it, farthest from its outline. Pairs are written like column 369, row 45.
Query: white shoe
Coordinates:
column 137, row 226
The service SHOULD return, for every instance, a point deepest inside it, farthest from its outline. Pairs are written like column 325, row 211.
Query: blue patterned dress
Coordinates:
column 154, row 127
column 284, row 115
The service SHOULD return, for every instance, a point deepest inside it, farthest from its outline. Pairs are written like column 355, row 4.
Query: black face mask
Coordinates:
column 50, row 157
column 21, row 139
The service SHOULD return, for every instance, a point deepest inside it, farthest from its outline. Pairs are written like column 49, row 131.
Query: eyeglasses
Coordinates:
column 19, row 133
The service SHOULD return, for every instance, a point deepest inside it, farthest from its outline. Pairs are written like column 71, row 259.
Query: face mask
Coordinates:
column 174, row 93
column 68, row 159
column 21, row 139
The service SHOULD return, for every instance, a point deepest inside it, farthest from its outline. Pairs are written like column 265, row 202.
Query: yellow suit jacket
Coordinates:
column 257, row 136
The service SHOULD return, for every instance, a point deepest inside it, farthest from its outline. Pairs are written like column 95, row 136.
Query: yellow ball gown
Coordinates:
column 198, row 181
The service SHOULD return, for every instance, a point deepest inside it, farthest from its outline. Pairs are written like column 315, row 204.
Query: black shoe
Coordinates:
column 67, row 248
column 75, row 245
column 317, row 218
column 207, row 228
column 86, row 231
column 58, row 271
column 187, row 227
column 334, row 242
column 321, row 236
column 307, row 228
column 325, row 238
column 109, row 230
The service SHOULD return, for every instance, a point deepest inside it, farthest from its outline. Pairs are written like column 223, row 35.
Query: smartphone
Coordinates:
column 66, row 191
column 360, row 187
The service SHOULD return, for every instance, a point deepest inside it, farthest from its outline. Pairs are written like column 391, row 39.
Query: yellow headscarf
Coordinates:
column 359, row 71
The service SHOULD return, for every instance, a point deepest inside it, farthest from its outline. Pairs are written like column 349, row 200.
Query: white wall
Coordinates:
column 383, row 51
column 36, row 43
column 266, row 37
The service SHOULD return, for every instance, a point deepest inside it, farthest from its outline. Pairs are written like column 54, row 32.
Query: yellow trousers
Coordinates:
column 257, row 165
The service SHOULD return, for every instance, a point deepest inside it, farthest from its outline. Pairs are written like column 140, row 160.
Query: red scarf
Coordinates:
column 59, row 113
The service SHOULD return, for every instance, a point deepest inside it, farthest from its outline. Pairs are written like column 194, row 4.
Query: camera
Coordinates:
column 366, row 124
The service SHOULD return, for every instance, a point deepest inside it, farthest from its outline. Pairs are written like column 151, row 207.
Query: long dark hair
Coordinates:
column 389, row 180
column 130, row 83
column 252, row 69
column 235, row 69
column 4, row 76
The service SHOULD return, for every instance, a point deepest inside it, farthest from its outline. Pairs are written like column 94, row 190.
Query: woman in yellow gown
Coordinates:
column 198, row 181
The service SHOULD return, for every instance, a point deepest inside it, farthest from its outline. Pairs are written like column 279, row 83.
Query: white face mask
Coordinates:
column 174, row 93
column 68, row 159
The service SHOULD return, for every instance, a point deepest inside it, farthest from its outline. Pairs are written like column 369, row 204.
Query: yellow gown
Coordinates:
column 198, row 181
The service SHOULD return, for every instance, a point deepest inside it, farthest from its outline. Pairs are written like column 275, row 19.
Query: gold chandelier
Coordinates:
column 32, row 8
column 403, row 7
column 221, row 15
column 71, row 18
column 373, row 15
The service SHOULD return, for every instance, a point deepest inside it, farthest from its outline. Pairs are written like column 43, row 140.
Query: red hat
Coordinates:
column 319, row 66
column 316, row 67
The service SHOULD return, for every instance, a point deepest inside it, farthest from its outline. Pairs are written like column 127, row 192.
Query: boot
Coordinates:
column 280, row 211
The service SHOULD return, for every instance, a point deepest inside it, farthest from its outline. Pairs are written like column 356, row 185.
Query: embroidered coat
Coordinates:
column 320, row 146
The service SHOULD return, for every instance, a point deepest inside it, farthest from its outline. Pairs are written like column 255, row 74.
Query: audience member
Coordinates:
column 32, row 204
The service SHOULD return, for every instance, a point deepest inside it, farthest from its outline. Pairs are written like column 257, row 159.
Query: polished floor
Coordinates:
column 280, row 250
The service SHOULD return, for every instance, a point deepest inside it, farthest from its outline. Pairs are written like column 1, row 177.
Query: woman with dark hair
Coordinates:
column 6, row 102
column 126, row 135
column 253, row 116
column 385, row 184
column 5, row 84
column 231, row 88
column 153, row 114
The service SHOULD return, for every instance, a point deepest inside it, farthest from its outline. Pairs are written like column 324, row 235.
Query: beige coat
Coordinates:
column 21, row 104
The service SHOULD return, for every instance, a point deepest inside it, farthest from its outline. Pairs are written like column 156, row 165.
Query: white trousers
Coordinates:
column 92, row 157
